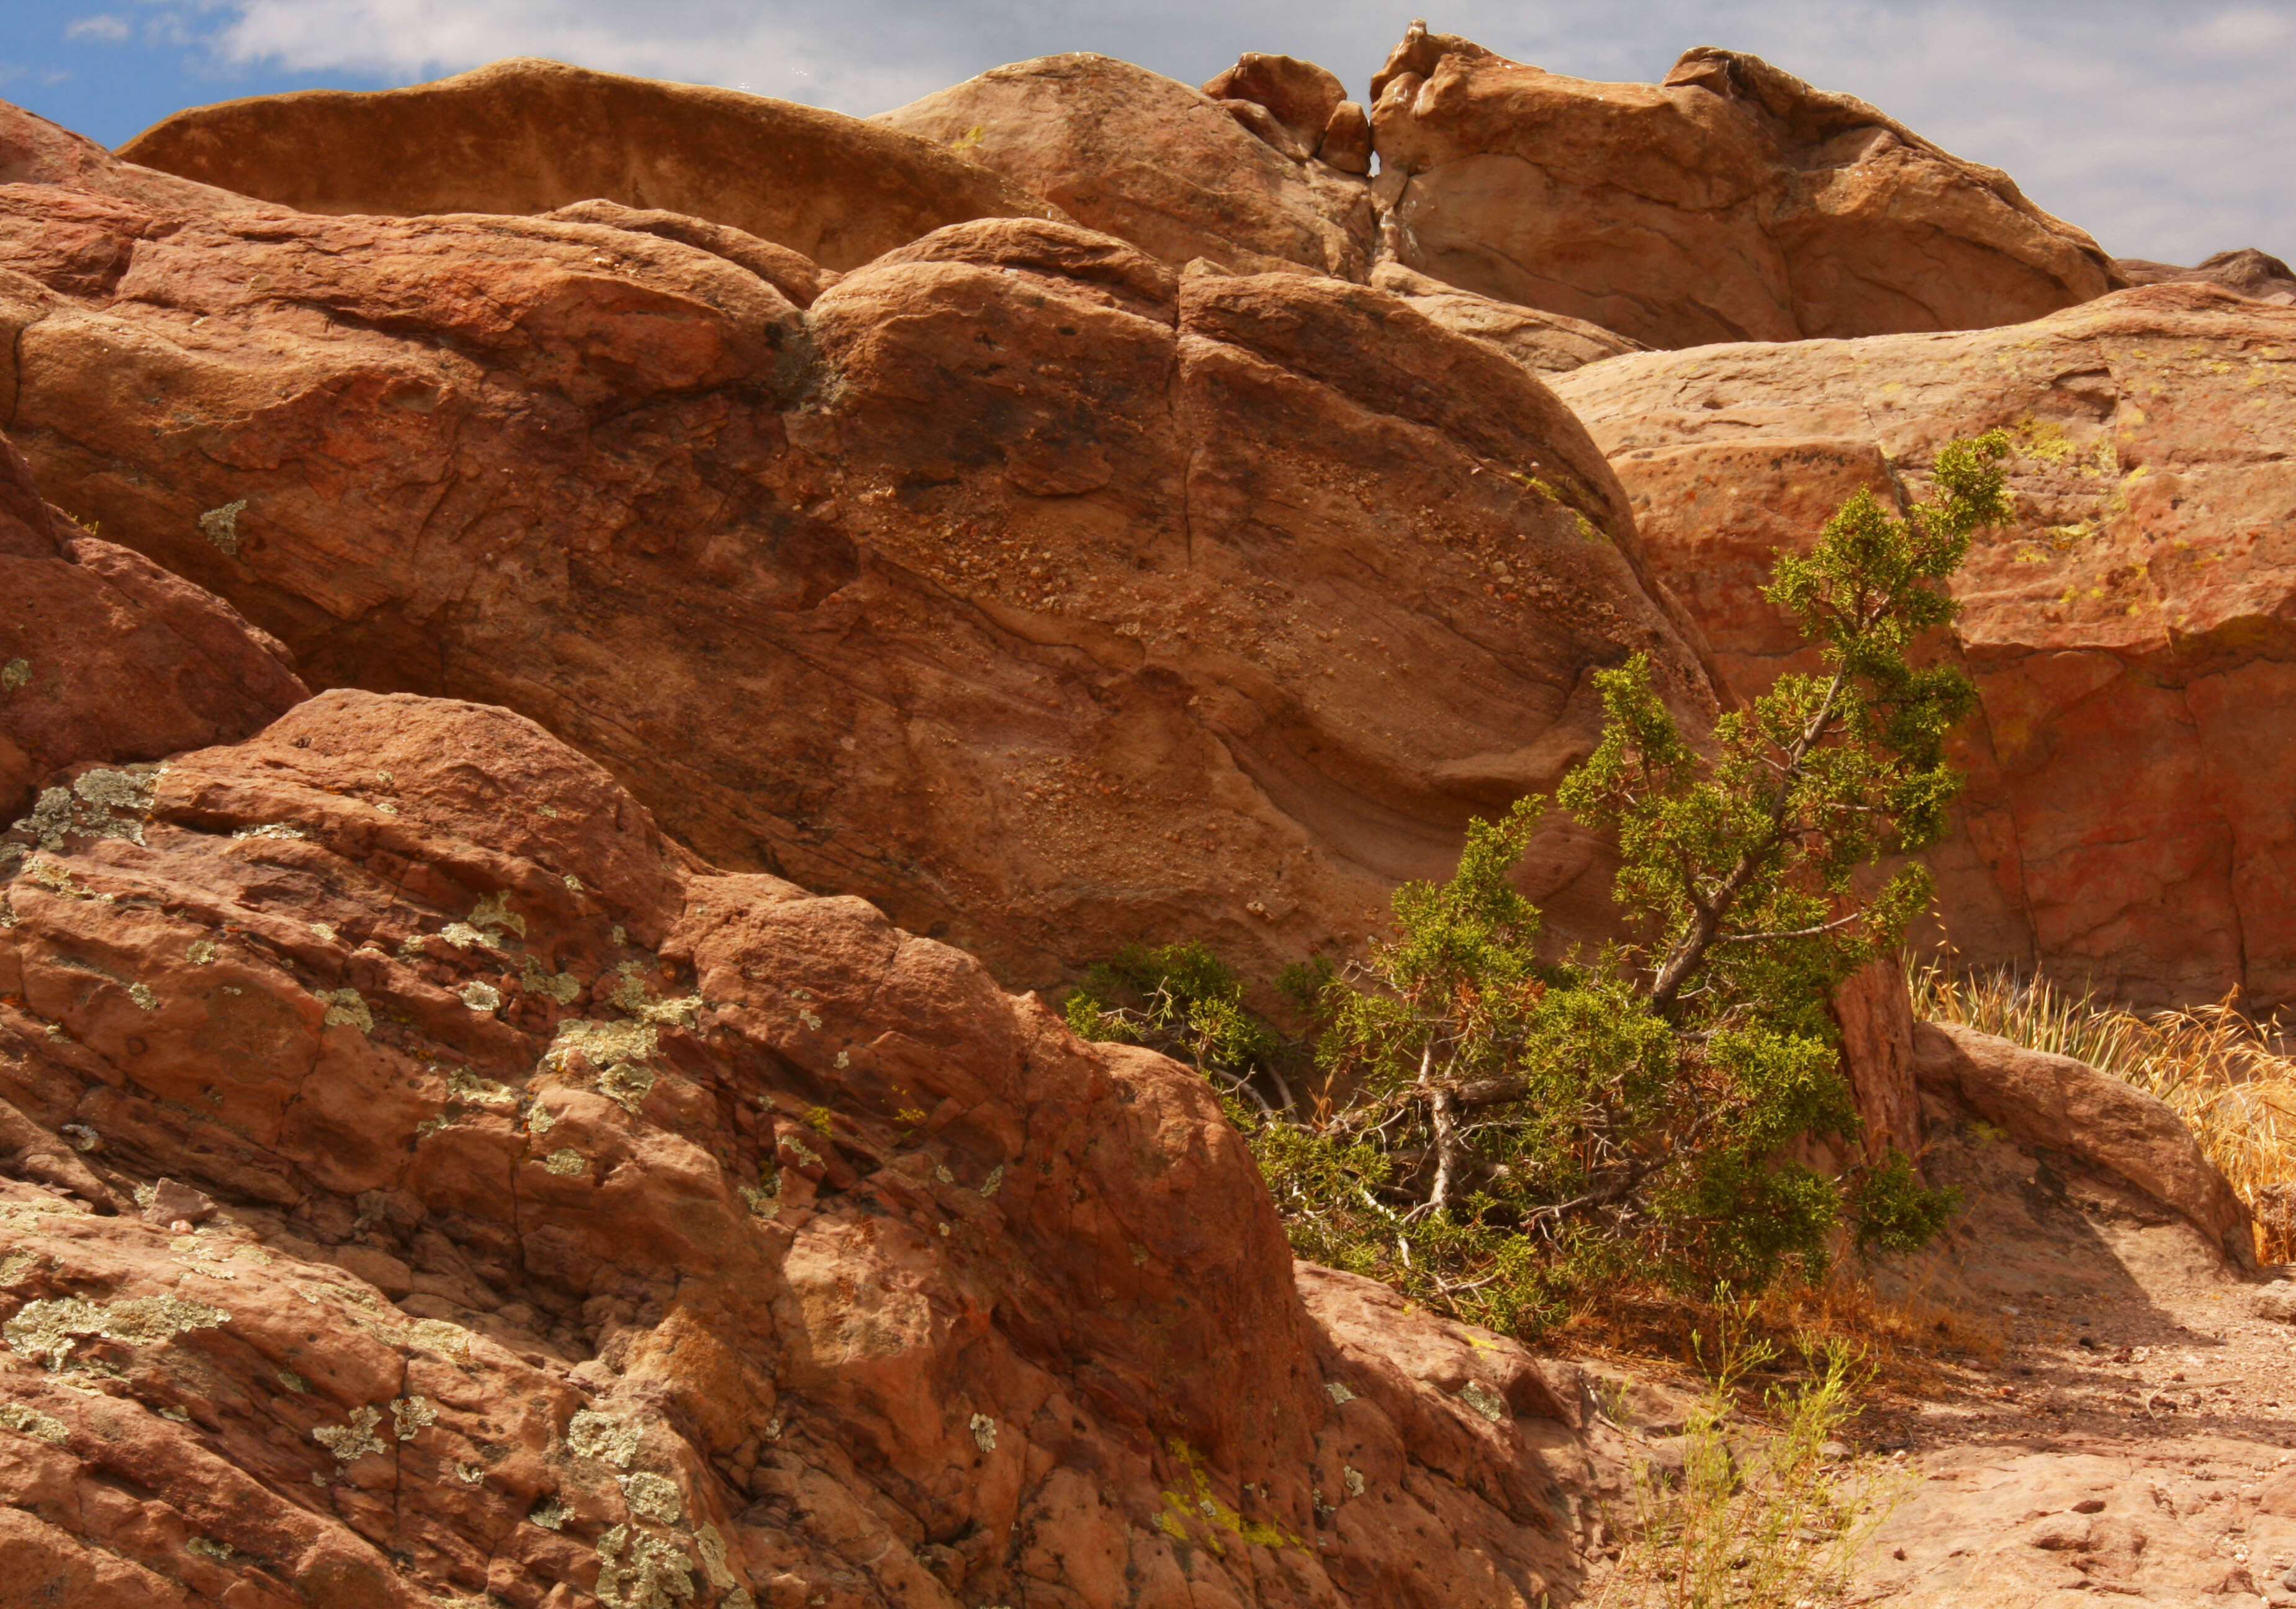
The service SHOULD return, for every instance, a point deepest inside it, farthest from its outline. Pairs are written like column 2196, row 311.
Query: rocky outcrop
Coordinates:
column 1731, row 202
column 2248, row 271
column 105, row 657
column 560, row 1216
column 2128, row 634
column 2054, row 1103
column 1153, row 161
column 1298, row 107
column 1545, row 343
column 1047, row 598
column 525, row 137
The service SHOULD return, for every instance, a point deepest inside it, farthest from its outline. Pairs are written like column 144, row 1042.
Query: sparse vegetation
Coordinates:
column 1746, row 1513
column 2224, row 1072
column 1491, row 1132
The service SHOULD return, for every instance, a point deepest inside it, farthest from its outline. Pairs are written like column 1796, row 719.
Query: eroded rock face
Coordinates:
column 2124, row 821
column 593, row 1221
column 1545, row 343
column 1731, row 202
column 1047, row 598
column 524, row 135
column 106, row 657
column 1155, row 162
column 2042, row 1101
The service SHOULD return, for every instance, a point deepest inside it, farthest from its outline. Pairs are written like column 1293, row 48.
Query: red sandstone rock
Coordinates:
column 1301, row 96
column 2054, row 1103
column 1150, row 161
column 594, row 1222
column 2248, row 271
column 1046, row 598
column 106, row 657
column 1733, row 203
column 524, row 137
column 1545, row 343
column 2124, row 823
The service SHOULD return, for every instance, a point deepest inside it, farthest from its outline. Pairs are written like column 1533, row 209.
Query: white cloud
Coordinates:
column 2163, row 128
column 105, row 28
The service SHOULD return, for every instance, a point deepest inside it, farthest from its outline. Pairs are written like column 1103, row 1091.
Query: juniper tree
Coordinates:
column 1510, row 1126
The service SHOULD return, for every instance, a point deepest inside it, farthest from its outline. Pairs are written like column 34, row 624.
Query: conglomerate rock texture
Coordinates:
column 1049, row 598
column 1731, row 202
column 523, row 136
column 2124, row 823
column 597, row 1221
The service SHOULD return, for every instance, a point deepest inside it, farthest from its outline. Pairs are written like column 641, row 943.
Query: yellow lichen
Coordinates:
column 591, row 1435
column 352, row 1437
column 566, row 1162
column 346, row 1009
column 652, row 1497
column 30, row 1422
column 409, row 1414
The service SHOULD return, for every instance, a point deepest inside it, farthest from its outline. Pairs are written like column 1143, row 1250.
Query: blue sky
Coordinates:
column 2165, row 129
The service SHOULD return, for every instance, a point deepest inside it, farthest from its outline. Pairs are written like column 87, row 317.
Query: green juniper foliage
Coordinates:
column 1510, row 1130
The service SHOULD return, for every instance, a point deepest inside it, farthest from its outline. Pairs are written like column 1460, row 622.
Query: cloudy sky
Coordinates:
column 2167, row 129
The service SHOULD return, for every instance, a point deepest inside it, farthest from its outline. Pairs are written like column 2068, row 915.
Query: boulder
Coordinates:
column 1150, row 161
column 1545, row 343
column 106, row 658
column 2124, row 822
column 578, row 1219
column 2054, row 1103
column 2248, row 271
column 1044, row 596
column 1731, row 202
column 524, row 135
column 1299, row 95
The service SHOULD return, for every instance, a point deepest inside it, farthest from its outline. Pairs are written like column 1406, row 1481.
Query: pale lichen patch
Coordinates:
column 627, row 1084
column 1338, row 1392
column 220, row 526
column 410, row 1414
column 1484, row 1400
column 560, row 987
column 30, row 1422
column 468, row 1088
column 652, row 1497
column 566, row 1162
column 481, row 997
column 984, row 1432
column 207, row 1547
column 550, row 1514
column 346, row 1009
column 18, row 1264
column 200, row 951
column 653, row 1575
column 438, row 1336
column 50, row 1329
column 14, row 674
column 354, row 1437
column 494, row 912
column 591, row 1435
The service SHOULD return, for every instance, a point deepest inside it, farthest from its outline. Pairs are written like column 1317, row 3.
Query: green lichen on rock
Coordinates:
column 560, row 987
column 438, row 1336
column 494, row 914
column 207, row 1547
column 469, row 1089
column 550, row 1514
column 627, row 1084
column 14, row 674
column 1484, row 1400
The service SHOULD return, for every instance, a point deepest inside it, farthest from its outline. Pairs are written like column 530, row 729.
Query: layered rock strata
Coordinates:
column 531, row 1210
column 1045, row 597
column 2129, row 633
column 1731, row 202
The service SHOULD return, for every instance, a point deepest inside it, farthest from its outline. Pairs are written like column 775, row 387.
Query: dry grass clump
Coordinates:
column 2223, row 1071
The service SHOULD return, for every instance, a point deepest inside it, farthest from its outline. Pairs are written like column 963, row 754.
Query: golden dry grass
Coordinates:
column 2223, row 1071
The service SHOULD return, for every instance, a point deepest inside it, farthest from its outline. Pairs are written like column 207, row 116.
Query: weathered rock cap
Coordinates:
column 524, row 135
column 2056, row 1102
column 2248, row 271
column 1731, row 202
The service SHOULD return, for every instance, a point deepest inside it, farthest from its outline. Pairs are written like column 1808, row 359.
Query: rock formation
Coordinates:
column 531, row 1210
column 1545, row 343
column 526, row 136
column 1153, row 161
column 2248, row 271
column 106, row 657
column 2124, row 823
column 1731, row 202
column 1045, row 597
